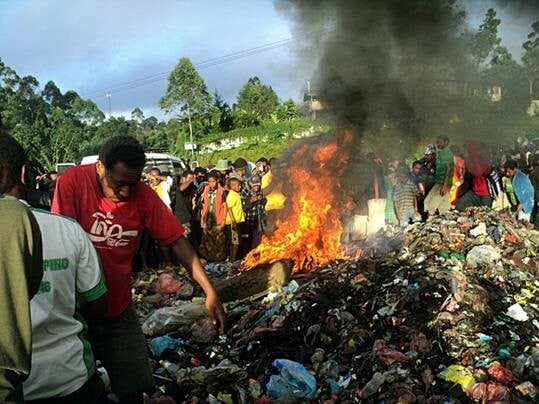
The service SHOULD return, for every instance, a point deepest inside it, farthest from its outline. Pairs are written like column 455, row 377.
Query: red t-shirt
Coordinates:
column 114, row 227
column 479, row 180
column 480, row 186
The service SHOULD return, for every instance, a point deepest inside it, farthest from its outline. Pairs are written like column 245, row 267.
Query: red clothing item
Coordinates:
column 480, row 184
column 220, row 206
column 114, row 227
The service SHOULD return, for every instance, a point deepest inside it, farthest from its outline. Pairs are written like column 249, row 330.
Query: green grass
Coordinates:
column 266, row 129
column 268, row 140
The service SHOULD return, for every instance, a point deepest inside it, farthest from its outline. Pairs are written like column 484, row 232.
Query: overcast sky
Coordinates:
column 92, row 45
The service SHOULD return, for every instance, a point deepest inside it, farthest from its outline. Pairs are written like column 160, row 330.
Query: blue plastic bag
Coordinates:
column 294, row 382
column 165, row 343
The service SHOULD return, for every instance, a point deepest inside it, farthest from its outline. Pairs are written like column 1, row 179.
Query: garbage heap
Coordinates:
column 446, row 311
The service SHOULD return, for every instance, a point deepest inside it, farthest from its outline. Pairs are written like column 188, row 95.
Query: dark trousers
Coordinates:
column 121, row 346
column 196, row 234
column 470, row 199
column 90, row 393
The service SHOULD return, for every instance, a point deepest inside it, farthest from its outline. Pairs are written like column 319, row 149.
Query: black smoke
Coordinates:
column 394, row 71
column 391, row 68
column 520, row 6
column 380, row 57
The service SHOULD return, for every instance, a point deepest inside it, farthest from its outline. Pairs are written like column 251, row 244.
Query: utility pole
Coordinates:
column 109, row 94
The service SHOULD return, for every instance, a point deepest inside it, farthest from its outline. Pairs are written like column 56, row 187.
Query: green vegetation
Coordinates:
column 268, row 140
column 62, row 127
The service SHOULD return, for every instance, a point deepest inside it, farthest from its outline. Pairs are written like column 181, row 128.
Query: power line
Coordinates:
column 129, row 85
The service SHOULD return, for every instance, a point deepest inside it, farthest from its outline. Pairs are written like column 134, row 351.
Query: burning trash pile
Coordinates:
column 450, row 314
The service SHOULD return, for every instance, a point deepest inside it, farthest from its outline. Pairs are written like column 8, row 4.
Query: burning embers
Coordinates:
column 310, row 233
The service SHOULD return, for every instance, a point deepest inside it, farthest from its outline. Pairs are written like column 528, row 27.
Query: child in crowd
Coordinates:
column 255, row 212
column 235, row 217
column 405, row 199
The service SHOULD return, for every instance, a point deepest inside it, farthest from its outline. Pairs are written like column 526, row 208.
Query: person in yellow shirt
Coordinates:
column 235, row 216
column 161, row 184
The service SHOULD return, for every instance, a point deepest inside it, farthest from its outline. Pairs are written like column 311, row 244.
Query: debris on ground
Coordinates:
column 446, row 311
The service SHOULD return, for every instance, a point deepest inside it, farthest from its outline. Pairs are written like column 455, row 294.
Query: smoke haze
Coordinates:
column 381, row 66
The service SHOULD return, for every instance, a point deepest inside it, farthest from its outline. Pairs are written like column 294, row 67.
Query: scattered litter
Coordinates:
column 445, row 311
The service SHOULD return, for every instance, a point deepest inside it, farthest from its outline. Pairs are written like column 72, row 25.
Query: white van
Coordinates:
column 61, row 167
column 165, row 162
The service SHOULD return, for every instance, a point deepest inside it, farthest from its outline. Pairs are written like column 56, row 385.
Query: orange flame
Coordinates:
column 310, row 234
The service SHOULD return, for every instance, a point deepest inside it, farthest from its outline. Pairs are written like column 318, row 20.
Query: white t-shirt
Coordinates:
column 62, row 359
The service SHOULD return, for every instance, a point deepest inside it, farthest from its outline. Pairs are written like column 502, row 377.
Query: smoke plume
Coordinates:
column 520, row 6
column 376, row 61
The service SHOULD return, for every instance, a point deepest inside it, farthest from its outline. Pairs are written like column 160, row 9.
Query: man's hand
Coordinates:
column 216, row 312
column 519, row 207
column 187, row 256
column 444, row 190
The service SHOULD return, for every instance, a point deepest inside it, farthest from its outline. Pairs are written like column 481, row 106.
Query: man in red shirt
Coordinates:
column 114, row 207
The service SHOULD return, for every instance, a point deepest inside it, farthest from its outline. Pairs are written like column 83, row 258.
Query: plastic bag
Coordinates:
column 373, row 385
column 479, row 230
column 293, row 383
column 488, row 392
column 482, row 255
column 460, row 375
column 501, row 374
column 516, row 312
column 388, row 355
column 218, row 377
column 167, row 285
column 167, row 319
column 165, row 343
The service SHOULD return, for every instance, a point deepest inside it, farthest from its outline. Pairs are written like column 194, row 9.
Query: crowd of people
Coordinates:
column 447, row 177
column 223, row 208
column 227, row 207
column 66, row 275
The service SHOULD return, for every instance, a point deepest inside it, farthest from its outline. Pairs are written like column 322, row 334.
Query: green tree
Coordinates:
column 246, row 119
column 225, row 118
column 186, row 94
column 286, row 112
column 52, row 94
column 505, row 72
column 62, row 135
column 485, row 40
column 257, row 99
column 137, row 115
column 530, row 59
column 86, row 111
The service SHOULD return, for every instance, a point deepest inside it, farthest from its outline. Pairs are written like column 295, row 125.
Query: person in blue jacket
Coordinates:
column 523, row 189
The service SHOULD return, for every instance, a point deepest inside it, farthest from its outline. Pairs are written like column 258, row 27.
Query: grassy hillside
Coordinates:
column 268, row 140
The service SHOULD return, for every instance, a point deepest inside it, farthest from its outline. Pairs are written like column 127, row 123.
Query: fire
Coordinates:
column 310, row 234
